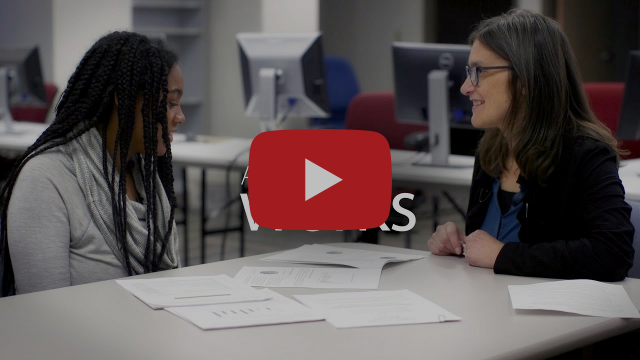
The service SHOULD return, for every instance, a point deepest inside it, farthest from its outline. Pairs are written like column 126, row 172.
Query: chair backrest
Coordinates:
column 635, row 220
column 36, row 113
column 342, row 86
column 375, row 111
column 605, row 99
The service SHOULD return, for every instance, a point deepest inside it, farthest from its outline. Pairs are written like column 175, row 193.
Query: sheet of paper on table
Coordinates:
column 159, row 293
column 585, row 297
column 376, row 308
column 277, row 310
column 317, row 278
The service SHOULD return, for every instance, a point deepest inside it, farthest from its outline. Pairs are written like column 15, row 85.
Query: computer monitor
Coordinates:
column 21, row 81
column 27, row 87
column 283, row 75
column 629, row 122
column 451, row 132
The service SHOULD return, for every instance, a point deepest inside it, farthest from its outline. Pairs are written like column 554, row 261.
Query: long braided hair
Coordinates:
column 133, row 67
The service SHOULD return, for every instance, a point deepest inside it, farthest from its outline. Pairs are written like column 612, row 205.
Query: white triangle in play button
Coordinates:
column 317, row 179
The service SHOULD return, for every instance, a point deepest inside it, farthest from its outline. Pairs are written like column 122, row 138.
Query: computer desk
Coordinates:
column 409, row 168
column 218, row 153
column 204, row 151
column 26, row 133
column 221, row 152
column 104, row 321
column 630, row 175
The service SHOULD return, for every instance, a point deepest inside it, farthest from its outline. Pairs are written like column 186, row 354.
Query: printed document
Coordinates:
column 333, row 255
column 196, row 290
column 318, row 278
column 278, row 310
column 376, row 308
column 585, row 297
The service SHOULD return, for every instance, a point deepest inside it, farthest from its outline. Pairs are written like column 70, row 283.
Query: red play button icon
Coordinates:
column 319, row 179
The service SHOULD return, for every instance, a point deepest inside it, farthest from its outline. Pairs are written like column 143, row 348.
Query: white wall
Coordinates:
column 227, row 99
column 28, row 23
column 536, row 6
column 77, row 24
column 363, row 30
column 290, row 15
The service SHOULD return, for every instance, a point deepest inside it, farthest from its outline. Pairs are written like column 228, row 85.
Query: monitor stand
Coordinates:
column 5, row 111
column 439, row 135
column 267, row 103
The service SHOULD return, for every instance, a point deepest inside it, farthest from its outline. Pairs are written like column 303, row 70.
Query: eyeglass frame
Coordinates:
column 479, row 69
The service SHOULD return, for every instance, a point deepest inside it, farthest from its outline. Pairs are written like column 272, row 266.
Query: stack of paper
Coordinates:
column 333, row 255
column 376, row 308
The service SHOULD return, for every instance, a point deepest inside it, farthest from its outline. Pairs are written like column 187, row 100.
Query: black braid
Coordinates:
column 147, row 169
column 166, row 175
column 127, row 91
column 131, row 66
column 158, row 236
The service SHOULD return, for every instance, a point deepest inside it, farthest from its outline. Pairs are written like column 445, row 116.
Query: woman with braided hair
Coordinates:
column 92, row 199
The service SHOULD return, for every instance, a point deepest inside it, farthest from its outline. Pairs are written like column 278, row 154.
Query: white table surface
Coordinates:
column 103, row 321
column 26, row 133
column 630, row 176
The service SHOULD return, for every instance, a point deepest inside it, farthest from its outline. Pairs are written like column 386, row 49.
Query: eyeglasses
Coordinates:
column 473, row 72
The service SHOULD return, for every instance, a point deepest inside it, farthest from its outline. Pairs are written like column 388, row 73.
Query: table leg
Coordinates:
column 185, row 212
column 203, row 216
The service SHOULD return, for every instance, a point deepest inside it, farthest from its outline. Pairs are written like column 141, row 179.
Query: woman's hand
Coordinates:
column 482, row 249
column 447, row 240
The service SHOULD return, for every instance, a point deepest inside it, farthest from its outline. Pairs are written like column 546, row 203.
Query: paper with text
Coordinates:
column 159, row 293
column 317, row 278
column 376, row 308
column 277, row 310
column 586, row 297
column 334, row 255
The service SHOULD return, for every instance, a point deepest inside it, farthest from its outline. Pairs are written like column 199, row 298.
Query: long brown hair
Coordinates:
column 548, row 100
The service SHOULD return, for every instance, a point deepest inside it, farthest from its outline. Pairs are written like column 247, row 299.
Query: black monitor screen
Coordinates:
column 412, row 63
column 27, row 87
column 629, row 122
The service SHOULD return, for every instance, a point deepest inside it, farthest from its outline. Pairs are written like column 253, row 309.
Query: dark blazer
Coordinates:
column 575, row 227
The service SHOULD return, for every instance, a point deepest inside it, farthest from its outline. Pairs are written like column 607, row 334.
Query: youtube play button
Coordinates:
column 319, row 179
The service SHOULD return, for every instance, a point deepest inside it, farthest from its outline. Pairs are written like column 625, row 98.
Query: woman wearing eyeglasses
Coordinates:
column 546, row 199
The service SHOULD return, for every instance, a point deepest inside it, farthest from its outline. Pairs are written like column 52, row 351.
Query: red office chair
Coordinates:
column 36, row 113
column 375, row 111
column 605, row 99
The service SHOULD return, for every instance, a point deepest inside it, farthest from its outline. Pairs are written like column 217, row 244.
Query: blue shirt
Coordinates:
column 504, row 227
